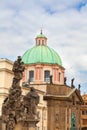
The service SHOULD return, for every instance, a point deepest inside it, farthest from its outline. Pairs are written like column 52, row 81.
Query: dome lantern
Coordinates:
column 41, row 39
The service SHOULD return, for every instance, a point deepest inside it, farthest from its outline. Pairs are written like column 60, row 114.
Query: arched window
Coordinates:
column 46, row 75
column 31, row 76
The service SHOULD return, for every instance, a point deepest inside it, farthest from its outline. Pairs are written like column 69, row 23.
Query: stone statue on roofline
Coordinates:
column 51, row 79
column 72, row 83
column 65, row 79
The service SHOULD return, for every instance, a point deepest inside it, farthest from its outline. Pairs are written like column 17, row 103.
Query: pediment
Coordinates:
column 75, row 95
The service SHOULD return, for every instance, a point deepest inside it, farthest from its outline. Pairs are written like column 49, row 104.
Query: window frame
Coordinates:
column 46, row 75
column 31, row 75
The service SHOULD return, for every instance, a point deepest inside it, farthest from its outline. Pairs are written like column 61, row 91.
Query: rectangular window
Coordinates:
column 84, row 121
column 59, row 76
column 46, row 75
column 83, row 112
column 86, row 112
column 31, row 76
column 42, row 42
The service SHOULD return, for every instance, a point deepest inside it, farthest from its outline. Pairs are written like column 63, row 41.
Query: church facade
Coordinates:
column 59, row 106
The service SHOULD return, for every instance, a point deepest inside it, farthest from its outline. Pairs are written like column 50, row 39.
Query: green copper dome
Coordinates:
column 41, row 54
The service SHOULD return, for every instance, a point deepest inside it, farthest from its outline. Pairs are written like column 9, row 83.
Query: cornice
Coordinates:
column 7, row 70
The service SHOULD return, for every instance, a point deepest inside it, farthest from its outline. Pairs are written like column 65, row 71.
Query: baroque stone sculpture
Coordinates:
column 65, row 79
column 15, row 107
column 72, row 83
column 30, row 102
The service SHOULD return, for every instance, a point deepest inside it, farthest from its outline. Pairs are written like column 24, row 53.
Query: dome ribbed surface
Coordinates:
column 41, row 54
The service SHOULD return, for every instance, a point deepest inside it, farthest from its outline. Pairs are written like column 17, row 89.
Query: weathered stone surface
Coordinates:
column 61, row 105
column 17, row 109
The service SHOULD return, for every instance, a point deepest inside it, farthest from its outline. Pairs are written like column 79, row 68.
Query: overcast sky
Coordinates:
column 64, row 23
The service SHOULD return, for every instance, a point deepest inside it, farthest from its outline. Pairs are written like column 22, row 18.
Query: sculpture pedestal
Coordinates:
column 18, row 126
column 30, row 124
column 3, row 126
column 72, row 128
